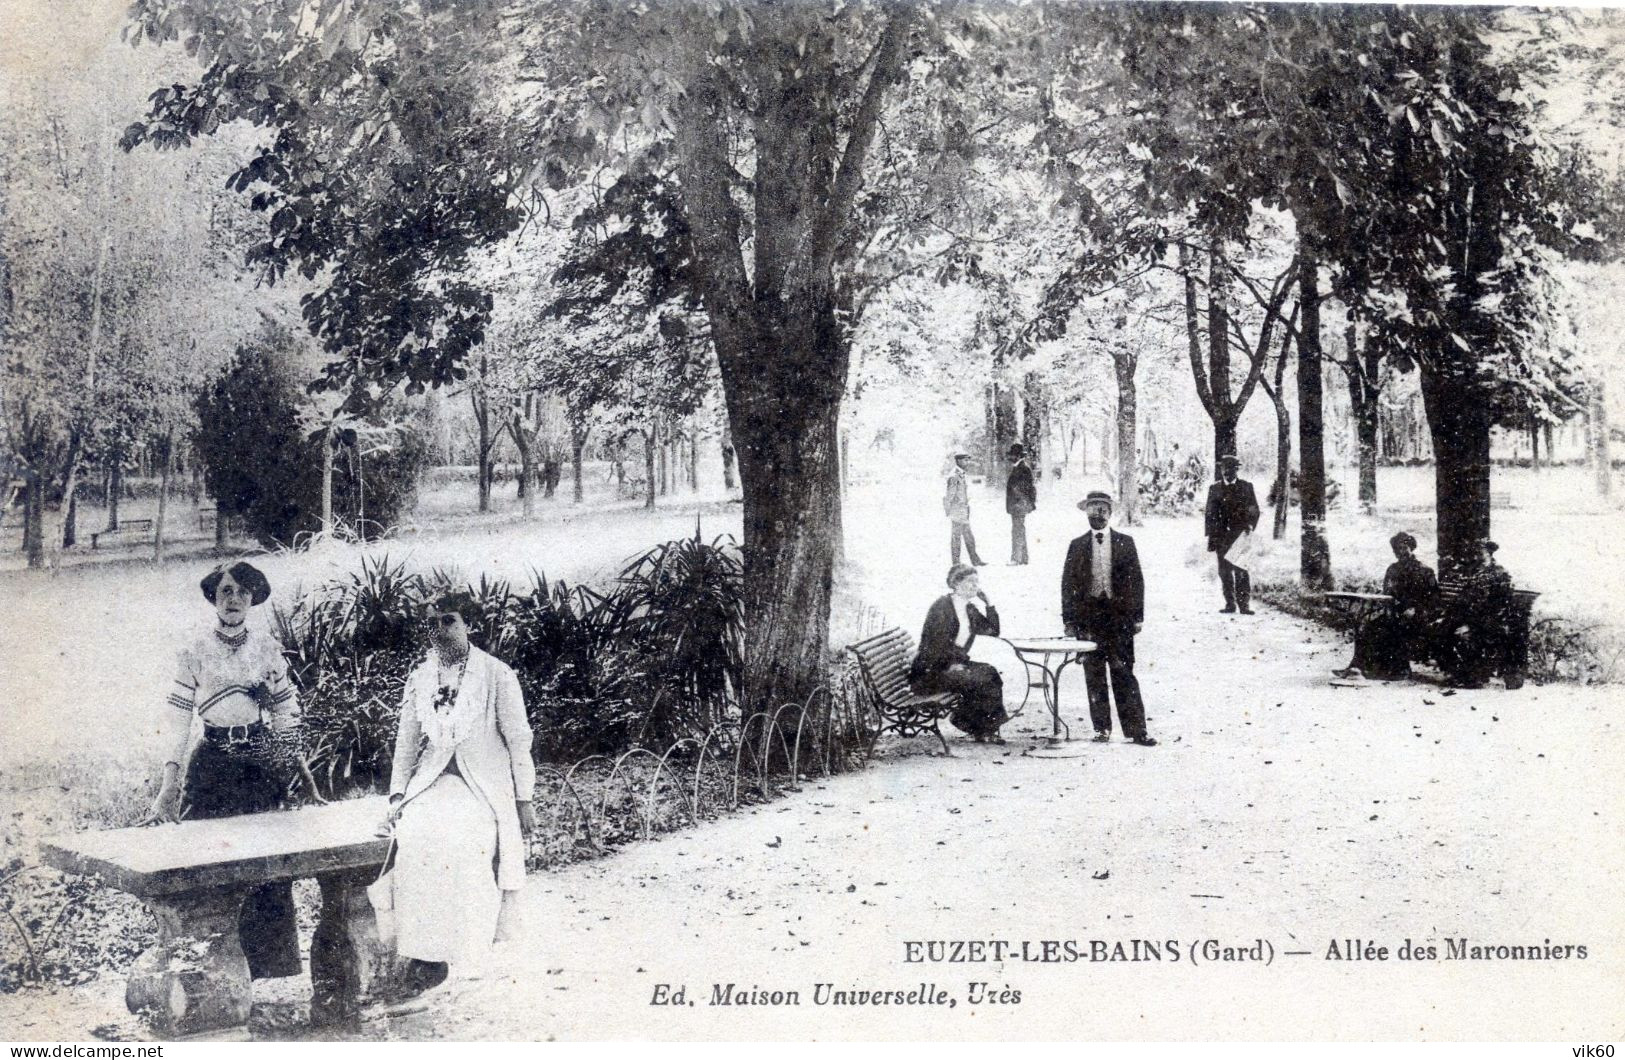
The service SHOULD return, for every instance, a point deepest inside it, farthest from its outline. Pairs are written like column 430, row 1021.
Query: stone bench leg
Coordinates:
column 347, row 960
column 195, row 978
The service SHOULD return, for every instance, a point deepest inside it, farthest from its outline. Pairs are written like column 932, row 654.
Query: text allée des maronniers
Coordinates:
column 1221, row 951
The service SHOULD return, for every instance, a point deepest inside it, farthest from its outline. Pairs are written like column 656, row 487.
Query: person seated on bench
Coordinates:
column 460, row 800
column 1471, row 634
column 235, row 678
column 1384, row 642
column 943, row 662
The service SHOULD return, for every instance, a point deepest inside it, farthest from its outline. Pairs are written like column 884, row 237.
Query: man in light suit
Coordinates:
column 1103, row 600
column 1232, row 510
column 956, row 506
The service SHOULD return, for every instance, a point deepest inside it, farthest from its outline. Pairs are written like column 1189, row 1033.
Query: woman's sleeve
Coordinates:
column 932, row 635
column 282, row 698
column 407, row 734
column 990, row 621
column 517, row 734
column 175, row 716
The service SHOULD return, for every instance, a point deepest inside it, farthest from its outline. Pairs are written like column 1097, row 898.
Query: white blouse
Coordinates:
column 228, row 681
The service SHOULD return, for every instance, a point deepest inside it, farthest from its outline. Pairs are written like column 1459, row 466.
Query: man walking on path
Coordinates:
column 1232, row 510
column 956, row 505
column 1020, row 498
column 1103, row 600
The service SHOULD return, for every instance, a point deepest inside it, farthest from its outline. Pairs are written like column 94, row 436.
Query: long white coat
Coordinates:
column 494, row 757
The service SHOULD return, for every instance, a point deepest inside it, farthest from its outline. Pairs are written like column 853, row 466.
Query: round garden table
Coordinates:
column 1049, row 656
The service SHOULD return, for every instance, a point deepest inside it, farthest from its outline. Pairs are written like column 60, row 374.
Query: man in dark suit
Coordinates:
column 1020, row 498
column 1232, row 510
column 1103, row 600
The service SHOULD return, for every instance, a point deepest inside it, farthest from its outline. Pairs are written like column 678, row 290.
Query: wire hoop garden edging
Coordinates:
column 599, row 801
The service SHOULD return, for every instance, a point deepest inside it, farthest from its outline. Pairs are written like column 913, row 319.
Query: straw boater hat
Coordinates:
column 1230, row 458
column 1095, row 495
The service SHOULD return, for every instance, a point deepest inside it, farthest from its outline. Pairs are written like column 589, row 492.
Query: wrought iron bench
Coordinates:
column 883, row 662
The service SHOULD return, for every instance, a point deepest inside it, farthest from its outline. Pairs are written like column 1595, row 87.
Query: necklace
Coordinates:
column 446, row 695
column 232, row 640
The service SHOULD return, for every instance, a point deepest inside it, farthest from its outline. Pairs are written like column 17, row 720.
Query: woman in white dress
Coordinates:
column 460, row 799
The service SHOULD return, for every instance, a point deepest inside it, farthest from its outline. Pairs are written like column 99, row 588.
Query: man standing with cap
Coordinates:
column 956, row 505
column 1103, row 600
column 1232, row 510
column 1020, row 498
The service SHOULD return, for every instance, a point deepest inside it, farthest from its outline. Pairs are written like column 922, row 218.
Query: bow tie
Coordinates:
column 1100, row 536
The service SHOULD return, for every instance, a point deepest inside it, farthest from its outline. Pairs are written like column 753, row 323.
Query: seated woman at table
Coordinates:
column 943, row 663
column 1385, row 642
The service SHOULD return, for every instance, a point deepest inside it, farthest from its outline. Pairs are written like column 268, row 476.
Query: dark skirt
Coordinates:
column 981, row 696
column 226, row 779
column 1384, row 645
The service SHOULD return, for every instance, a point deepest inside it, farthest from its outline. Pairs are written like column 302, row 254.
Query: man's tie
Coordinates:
column 1100, row 537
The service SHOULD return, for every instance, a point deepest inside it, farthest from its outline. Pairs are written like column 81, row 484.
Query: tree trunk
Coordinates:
column 1601, row 447
column 1315, row 560
column 1546, row 429
column 327, row 490
column 56, row 535
column 578, row 444
column 649, row 469
column 1283, row 463
column 846, row 471
column 1225, row 413
column 115, row 489
column 159, row 525
column 1361, row 370
column 527, row 464
column 1459, row 419
column 1534, row 445
column 1034, row 417
column 34, row 518
column 222, row 527
column 694, row 462
column 70, row 522
column 728, row 462
column 1004, row 424
column 1128, row 450
column 785, row 416
column 482, row 417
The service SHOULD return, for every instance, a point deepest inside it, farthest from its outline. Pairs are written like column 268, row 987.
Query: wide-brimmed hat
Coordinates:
column 1230, row 458
column 1095, row 495
column 1015, row 450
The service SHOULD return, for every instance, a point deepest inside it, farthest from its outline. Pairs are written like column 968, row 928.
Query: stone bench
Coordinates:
column 194, row 876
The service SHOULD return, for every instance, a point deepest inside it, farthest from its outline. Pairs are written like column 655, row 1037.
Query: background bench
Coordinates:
column 883, row 661
column 194, row 877
column 125, row 526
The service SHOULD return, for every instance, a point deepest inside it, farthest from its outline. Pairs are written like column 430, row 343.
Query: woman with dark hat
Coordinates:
column 943, row 663
column 235, row 680
column 1384, row 644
